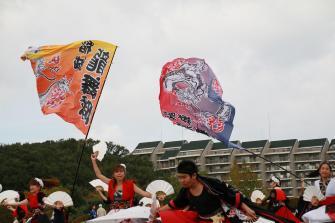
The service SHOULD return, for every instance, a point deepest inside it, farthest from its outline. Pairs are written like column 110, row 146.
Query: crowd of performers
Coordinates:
column 30, row 208
column 204, row 199
column 200, row 200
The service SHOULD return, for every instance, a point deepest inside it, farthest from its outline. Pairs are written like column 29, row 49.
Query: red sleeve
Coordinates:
column 14, row 213
column 237, row 199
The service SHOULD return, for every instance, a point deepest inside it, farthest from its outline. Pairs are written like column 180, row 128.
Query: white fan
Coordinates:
column 160, row 185
column 62, row 196
column 101, row 148
column 136, row 214
column 257, row 194
column 9, row 196
column 145, row 201
column 98, row 183
column 312, row 191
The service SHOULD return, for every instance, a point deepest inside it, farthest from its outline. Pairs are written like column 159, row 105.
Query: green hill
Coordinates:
column 58, row 159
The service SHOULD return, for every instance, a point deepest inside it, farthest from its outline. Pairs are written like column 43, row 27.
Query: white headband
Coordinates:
column 39, row 181
column 124, row 165
column 275, row 179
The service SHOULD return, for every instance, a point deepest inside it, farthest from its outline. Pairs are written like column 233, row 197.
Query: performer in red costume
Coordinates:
column 278, row 201
column 35, row 201
column 121, row 191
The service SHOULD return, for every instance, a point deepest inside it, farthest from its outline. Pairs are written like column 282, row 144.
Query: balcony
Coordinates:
column 248, row 159
column 143, row 151
column 160, row 151
column 167, row 168
column 284, row 150
column 193, row 153
column 281, row 176
column 278, row 158
column 217, row 160
column 305, row 150
column 307, row 157
column 223, row 152
column 217, row 169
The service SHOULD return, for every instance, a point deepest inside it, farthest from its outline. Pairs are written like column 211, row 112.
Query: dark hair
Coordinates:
column 34, row 182
column 118, row 167
column 188, row 167
column 48, row 183
column 316, row 173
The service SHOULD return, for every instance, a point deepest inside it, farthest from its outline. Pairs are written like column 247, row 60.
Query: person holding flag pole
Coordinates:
column 191, row 96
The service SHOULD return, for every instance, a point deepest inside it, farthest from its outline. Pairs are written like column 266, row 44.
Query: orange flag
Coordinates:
column 70, row 78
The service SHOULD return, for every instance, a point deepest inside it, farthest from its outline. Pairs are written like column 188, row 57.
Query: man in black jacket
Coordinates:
column 211, row 200
column 206, row 196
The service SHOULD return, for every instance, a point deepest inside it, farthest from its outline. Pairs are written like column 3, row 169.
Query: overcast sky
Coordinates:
column 275, row 61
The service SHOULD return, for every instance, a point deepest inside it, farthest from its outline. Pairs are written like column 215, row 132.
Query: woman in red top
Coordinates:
column 121, row 191
column 21, row 211
column 35, row 201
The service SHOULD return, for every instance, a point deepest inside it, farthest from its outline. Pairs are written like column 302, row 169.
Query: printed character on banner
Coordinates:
column 86, row 109
column 170, row 115
column 98, row 62
column 90, row 85
column 78, row 63
column 86, row 47
column 185, row 119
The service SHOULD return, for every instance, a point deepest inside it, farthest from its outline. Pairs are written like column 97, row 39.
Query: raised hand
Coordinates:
column 94, row 156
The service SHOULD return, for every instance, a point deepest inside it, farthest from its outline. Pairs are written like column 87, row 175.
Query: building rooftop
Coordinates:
column 282, row 143
column 221, row 145
column 332, row 142
column 195, row 145
column 174, row 144
column 254, row 144
column 169, row 153
column 312, row 142
column 144, row 145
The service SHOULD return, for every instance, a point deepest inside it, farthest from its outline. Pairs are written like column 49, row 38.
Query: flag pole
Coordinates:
column 89, row 127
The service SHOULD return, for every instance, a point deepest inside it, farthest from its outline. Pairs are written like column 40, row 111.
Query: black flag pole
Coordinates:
column 89, row 127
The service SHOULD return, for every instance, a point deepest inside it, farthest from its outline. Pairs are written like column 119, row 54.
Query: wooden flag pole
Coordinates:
column 89, row 127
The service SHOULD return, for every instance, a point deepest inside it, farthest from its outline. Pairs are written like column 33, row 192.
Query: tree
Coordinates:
column 116, row 150
column 58, row 160
column 244, row 179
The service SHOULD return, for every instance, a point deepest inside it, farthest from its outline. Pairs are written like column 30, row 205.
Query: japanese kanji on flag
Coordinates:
column 191, row 96
column 70, row 78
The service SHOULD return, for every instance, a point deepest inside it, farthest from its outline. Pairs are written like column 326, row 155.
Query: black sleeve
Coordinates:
column 181, row 201
column 108, row 201
column 231, row 195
